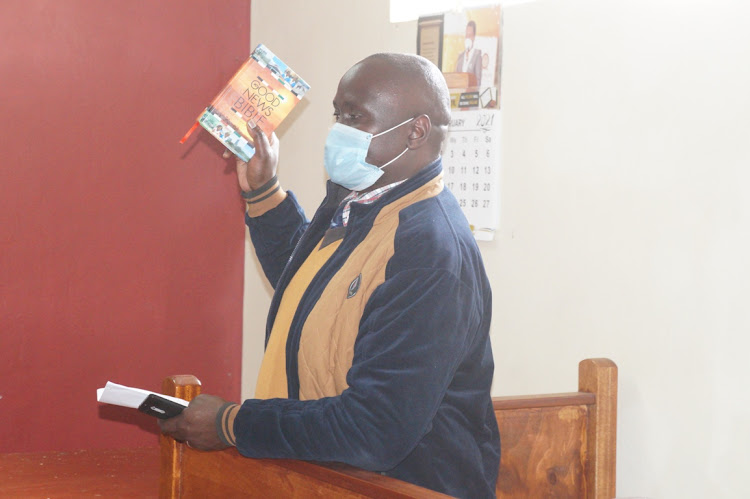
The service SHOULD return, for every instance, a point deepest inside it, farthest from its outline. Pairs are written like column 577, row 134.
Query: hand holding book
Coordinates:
column 197, row 425
column 194, row 422
column 262, row 166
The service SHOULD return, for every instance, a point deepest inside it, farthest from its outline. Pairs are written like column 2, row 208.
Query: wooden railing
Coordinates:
column 557, row 445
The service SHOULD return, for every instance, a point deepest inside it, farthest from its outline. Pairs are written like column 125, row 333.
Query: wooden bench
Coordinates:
column 557, row 445
column 81, row 473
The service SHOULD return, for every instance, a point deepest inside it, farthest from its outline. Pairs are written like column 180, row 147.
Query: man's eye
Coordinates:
column 346, row 117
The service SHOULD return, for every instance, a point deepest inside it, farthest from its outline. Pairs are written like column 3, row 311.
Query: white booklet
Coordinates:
column 126, row 396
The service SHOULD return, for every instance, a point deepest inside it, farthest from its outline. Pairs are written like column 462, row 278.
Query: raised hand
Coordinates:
column 262, row 166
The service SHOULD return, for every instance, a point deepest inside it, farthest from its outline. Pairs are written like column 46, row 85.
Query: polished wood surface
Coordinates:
column 543, row 452
column 599, row 376
column 227, row 474
column 186, row 387
column 561, row 445
column 546, row 400
column 81, row 474
column 556, row 445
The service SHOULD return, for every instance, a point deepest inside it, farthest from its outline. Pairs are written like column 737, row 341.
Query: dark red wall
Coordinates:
column 121, row 251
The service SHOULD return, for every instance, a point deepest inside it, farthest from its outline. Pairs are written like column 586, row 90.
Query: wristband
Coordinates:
column 225, row 423
column 260, row 190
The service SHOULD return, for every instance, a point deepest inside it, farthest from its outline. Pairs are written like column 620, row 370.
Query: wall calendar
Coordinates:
column 471, row 165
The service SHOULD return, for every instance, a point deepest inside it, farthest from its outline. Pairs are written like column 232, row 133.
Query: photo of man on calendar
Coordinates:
column 470, row 60
column 472, row 46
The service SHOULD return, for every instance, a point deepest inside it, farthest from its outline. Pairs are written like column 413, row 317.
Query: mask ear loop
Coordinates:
column 393, row 127
column 394, row 159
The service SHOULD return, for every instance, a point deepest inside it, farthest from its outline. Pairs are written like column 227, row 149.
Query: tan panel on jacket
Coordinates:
column 326, row 346
column 272, row 380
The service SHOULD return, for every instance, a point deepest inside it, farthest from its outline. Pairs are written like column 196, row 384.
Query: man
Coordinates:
column 377, row 345
column 470, row 60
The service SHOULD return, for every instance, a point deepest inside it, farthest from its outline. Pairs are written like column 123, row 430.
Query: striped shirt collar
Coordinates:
column 341, row 218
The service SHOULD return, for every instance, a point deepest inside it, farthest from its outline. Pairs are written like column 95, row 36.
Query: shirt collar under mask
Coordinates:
column 345, row 152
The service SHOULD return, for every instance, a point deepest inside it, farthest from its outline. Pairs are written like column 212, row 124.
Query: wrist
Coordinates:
column 225, row 423
column 263, row 188
column 265, row 198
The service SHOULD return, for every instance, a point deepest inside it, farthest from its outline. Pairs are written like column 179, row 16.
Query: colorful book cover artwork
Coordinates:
column 262, row 93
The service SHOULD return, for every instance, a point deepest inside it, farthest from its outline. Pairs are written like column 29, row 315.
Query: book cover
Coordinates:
column 262, row 92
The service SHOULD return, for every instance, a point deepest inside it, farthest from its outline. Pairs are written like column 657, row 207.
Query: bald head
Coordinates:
column 417, row 81
column 409, row 85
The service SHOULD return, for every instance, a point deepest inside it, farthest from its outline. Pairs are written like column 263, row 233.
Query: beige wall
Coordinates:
column 625, row 222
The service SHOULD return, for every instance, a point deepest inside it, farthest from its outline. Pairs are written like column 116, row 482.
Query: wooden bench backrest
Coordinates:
column 558, row 445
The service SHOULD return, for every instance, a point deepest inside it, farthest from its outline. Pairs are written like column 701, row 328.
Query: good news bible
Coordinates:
column 262, row 93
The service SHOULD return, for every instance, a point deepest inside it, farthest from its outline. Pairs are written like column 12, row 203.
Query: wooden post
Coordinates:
column 599, row 376
column 185, row 387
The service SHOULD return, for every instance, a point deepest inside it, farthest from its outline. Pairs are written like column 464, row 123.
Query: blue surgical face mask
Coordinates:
column 345, row 153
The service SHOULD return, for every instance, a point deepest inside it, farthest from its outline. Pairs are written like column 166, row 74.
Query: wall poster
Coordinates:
column 469, row 53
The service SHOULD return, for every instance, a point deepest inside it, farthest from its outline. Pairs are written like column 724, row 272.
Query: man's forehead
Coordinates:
column 362, row 75
column 363, row 87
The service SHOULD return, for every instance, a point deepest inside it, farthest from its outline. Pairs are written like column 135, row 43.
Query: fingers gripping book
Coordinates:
column 261, row 93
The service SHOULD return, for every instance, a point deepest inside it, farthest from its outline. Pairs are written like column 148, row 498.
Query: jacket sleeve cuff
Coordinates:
column 225, row 422
column 264, row 198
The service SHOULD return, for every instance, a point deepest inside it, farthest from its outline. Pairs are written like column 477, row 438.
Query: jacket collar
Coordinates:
column 424, row 176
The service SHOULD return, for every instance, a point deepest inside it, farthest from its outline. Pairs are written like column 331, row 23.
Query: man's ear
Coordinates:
column 419, row 132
